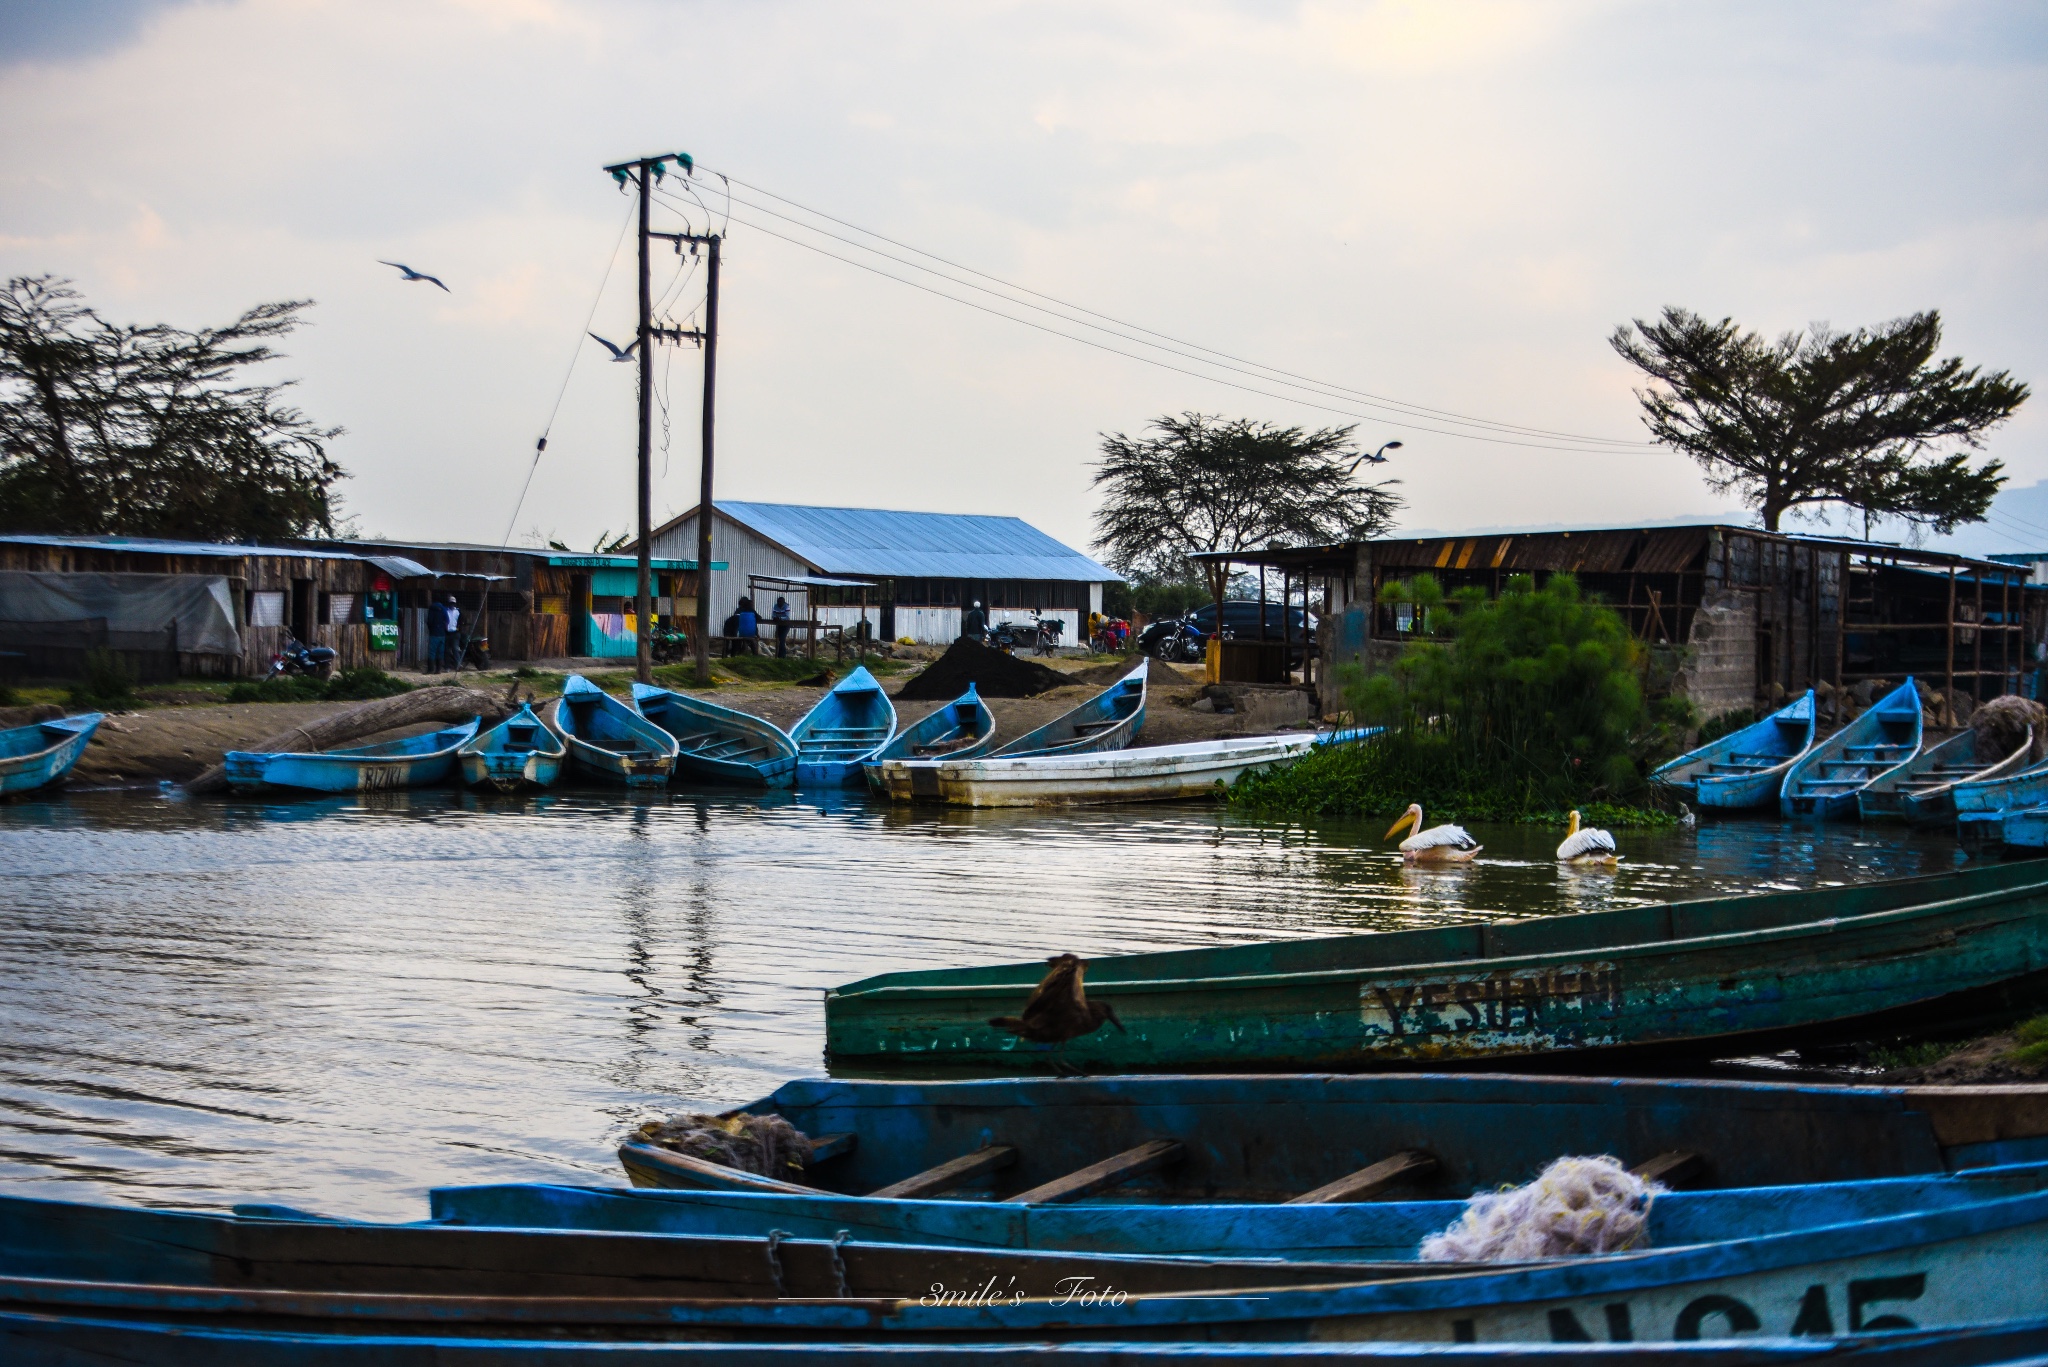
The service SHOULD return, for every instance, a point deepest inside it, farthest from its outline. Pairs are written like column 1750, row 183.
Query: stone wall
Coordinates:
column 1719, row 674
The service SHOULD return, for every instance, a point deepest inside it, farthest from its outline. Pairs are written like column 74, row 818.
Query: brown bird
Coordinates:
column 1059, row 1010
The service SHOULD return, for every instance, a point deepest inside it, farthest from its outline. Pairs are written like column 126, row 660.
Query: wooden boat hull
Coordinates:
column 847, row 728
column 517, row 754
column 416, row 762
column 964, row 727
column 2025, row 829
column 1252, row 1139
column 1381, row 1230
column 1110, row 720
column 1959, row 1270
column 1981, row 807
column 719, row 745
column 41, row 754
column 1708, row 977
column 1825, row 781
column 608, row 741
column 1731, row 773
column 1163, row 773
column 49, row 1340
column 1924, row 803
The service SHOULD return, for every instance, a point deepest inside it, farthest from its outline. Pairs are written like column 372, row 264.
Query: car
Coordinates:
column 1240, row 618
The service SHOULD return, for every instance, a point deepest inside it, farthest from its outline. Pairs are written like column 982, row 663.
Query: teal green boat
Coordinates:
column 1713, row 977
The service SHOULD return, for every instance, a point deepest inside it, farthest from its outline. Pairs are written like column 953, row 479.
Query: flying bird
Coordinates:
column 618, row 354
column 412, row 274
column 1059, row 1009
column 1588, row 846
column 1438, row 844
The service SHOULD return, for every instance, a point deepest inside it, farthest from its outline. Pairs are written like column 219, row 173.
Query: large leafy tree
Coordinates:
column 1198, row 483
column 152, row 431
column 1816, row 417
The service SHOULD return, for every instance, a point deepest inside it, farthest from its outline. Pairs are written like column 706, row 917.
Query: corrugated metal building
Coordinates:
column 1759, row 613
column 922, row 568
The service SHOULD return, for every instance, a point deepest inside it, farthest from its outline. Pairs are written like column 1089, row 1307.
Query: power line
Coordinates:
column 1405, row 424
column 1272, row 372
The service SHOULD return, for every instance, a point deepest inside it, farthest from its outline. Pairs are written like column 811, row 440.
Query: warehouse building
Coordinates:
column 906, row 574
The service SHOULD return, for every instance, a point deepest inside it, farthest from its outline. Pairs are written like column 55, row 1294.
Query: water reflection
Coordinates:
column 339, row 1002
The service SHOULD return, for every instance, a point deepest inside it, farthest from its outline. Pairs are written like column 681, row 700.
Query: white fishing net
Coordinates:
column 1578, row 1206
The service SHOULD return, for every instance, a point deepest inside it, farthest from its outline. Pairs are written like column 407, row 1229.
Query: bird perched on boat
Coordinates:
column 411, row 274
column 1588, row 846
column 617, row 354
column 1059, row 1009
column 1438, row 844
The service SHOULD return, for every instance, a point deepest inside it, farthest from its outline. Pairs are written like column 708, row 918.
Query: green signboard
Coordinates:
column 383, row 635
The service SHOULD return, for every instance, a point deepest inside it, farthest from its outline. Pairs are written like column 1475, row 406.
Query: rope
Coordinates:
column 775, row 1238
column 839, row 1264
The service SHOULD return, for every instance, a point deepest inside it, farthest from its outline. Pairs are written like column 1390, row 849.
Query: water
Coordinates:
column 339, row 1005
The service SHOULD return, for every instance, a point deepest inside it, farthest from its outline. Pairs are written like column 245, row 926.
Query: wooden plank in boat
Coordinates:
column 1371, row 1181
column 1150, row 1156
column 954, row 1172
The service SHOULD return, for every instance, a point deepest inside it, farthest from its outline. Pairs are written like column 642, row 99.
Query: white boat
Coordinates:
column 1150, row 774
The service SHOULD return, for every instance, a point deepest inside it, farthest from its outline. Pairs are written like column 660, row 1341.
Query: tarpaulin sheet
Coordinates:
column 200, row 604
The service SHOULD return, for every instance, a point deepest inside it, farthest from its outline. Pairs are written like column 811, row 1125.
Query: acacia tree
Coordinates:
column 1823, row 416
column 152, row 431
column 1206, row 483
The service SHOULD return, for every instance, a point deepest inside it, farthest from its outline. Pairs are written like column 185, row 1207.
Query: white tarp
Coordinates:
column 199, row 603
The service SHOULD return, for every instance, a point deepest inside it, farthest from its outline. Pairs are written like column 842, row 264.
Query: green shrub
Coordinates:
column 2033, row 1047
column 350, row 685
column 365, row 681
column 107, row 684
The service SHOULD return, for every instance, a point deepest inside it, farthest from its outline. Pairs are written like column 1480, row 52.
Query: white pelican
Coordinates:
column 1437, row 844
column 1588, row 846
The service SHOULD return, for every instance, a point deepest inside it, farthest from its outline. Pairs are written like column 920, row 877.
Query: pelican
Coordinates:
column 1435, row 845
column 1588, row 846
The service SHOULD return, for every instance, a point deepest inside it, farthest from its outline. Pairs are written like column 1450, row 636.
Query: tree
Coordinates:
column 1824, row 416
column 1203, row 483
column 152, row 431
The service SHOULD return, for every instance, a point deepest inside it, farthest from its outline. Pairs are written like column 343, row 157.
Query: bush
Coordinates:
column 2033, row 1049
column 107, row 684
column 350, row 685
column 8, row 697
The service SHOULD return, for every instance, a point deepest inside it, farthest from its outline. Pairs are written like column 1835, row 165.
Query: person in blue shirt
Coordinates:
column 437, row 636
column 749, row 625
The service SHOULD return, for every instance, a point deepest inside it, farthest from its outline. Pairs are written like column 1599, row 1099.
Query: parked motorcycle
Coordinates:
column 1045, row 636
column 1005, row 637
column 1182, row 642
column 296, row 657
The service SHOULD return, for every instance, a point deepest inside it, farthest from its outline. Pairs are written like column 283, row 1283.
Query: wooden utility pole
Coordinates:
column 704, row 510
column 643, row 636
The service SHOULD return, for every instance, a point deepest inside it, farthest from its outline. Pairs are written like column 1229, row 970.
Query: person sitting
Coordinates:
column 748, row 627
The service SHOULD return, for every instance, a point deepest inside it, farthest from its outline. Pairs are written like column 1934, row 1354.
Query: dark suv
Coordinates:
column 1241, row 617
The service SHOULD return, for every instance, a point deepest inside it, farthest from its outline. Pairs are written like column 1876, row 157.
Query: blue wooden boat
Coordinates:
column 719, row 744
column 40, row 754
column 839, row 735
column 2025, row 828
column 1110, row 720
column 608, row 740
column 1378, row 1230
column 963, row 729
column 46, row 1340
column 342, row 1286
column 1924, row 791
column 1825, row 780
column 518, row 753
column 1981, row 807
column 414, row 762
column 1743, row 769
column 1249, row 1139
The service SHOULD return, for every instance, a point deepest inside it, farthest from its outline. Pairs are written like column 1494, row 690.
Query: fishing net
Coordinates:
column 765, row 1145
column 1578, row 1206
column 2001, row 725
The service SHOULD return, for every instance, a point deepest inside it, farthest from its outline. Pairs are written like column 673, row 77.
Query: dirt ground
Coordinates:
column 1983, row 1060
column 177, row 742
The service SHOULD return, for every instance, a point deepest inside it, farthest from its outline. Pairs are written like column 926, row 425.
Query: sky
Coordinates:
column 1446, row 205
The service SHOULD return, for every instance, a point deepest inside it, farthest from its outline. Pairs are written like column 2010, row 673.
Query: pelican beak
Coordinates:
column 1407, row 819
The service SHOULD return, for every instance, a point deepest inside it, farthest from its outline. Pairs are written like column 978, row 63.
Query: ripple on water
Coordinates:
column 340, row 1003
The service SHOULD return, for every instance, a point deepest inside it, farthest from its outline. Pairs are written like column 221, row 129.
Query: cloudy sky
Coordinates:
column 1448, row 205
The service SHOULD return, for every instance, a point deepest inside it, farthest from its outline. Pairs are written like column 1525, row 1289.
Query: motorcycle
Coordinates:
column 476, row 654
column 1004, row 637
column 1183, row 643
column 670, row 645
column 296, row 657
column 1046, row 635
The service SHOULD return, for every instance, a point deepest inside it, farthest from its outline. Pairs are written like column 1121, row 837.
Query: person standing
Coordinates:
column 437, row 636
column 452, row 632
column 781, row 615
column 974, row 623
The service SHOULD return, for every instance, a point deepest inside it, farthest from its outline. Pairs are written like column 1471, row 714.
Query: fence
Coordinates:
column 60, row 650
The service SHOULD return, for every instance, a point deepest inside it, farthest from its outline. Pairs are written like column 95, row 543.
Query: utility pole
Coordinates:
column 704, row 513
column 643, row 173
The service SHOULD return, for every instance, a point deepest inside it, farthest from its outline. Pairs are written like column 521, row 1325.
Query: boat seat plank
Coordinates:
column 954, row 1172
column 833, row 1145
column 1670, row 1168
column 1150, row 1156
column 1369, row 1182
column 695, row 1171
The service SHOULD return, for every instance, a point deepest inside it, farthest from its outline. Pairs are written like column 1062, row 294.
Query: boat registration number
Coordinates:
column 1508, row 1002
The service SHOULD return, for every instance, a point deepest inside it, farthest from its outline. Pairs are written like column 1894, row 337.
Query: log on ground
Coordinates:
column 448, row 704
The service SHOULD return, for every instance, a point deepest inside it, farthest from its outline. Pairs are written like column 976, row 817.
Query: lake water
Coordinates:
column 339, row 1004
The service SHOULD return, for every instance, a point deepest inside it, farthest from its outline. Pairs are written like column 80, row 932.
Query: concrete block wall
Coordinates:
column 1720, row 674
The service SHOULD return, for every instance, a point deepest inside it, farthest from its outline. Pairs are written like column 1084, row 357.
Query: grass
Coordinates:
column 108, row 686
column 2033, row 1047
column 1916, row 1054
column 350, row 685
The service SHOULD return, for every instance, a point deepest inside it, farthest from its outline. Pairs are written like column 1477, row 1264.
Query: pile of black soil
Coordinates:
column 1156, row 672
column 993, row 674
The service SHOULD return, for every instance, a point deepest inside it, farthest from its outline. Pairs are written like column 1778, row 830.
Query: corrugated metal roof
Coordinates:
column 145, row 545
column 873, row 541
column 1650, row 550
